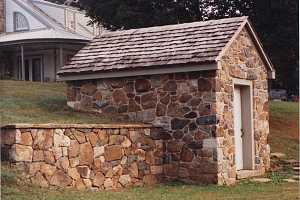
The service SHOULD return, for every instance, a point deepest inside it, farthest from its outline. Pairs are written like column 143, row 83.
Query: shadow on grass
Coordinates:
column 8, row 176
column 53, row 104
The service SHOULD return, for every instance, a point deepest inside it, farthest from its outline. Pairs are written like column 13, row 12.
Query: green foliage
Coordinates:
column 128, row 14
column 276, row 23
column 276, row 177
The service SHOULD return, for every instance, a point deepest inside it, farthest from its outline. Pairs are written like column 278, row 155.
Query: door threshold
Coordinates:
column 246, row 173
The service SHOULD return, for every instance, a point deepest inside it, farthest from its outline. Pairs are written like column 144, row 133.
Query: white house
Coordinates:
column 38, row 37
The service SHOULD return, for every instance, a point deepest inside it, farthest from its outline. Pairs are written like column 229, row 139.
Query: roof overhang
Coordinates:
column 247, row 24
column 68, row 75
column 43, row 41
column 140, row 72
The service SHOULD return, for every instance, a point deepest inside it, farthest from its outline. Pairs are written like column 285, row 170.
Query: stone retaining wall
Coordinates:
column 93, row 157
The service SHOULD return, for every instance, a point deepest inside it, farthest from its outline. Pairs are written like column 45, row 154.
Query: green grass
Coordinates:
column 284, row 110
column 30, row 102
column 284, row 128
column 174, row 191
column 245, row 191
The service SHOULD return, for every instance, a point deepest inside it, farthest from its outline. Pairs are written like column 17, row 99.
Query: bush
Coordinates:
column 276, row 177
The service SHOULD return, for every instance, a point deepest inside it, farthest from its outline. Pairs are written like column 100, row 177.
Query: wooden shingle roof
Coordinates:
column 198, row 42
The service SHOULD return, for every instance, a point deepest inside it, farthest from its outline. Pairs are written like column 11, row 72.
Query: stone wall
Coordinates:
column 92, row 157
column 242, row 61
column 184, row 104
column 2, row 16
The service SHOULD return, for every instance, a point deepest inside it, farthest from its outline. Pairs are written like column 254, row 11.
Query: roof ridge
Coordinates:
column 179, row 30
column 175, row 26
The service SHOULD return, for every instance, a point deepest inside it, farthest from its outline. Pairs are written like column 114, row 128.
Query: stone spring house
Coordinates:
column 38, row 37
column 205, row 83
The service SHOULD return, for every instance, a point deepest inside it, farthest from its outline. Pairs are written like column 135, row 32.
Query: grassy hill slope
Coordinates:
column 31, row 102
column 284, row 128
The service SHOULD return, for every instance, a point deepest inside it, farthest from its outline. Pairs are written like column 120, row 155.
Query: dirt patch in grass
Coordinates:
column 287, row 128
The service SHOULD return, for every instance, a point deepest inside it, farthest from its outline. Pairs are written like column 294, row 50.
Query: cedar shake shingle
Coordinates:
column 198, row 42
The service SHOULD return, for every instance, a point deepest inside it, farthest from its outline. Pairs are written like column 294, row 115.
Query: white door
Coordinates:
column 238, row 128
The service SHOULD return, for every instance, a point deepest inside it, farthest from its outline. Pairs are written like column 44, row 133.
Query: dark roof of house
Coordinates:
column 198, row 42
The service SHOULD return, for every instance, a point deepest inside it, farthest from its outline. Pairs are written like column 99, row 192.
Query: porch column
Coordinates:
column 55, row 62
column 22, row 63
column 61, row 59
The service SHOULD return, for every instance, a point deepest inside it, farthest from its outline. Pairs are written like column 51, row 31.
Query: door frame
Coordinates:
column 246, row 89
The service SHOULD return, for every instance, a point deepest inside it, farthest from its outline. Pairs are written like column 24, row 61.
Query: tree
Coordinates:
column 277, row 26
column 275, row 21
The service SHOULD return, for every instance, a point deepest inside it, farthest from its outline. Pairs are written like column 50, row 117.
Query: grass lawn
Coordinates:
column 31, row 102
column 245, row 191
column 22, row 102
column 284, row 128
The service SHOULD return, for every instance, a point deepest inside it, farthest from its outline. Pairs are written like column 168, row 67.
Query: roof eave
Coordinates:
column 138, row 72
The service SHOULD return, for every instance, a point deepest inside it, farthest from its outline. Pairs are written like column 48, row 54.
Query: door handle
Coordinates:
column 242, row 130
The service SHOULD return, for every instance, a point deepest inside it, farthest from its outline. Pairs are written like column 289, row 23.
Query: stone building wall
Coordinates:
column 242, row 61
column 183, row 104
column 92, row 157
column 2, row 16
column 195, row 109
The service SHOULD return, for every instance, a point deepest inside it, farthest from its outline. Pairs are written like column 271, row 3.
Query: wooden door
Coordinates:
column 237, row 104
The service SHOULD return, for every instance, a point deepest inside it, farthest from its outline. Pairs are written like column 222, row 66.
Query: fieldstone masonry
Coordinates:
column 91, row 157
column 195, row 108
column 242, row 61
column 2, row 16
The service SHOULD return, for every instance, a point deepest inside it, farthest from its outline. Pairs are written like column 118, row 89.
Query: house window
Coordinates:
column 20, row 22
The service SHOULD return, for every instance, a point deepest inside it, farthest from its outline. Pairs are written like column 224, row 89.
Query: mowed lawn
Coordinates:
column 245, row 190
column 31, row 102
column 284, row 128
column 25, row 102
